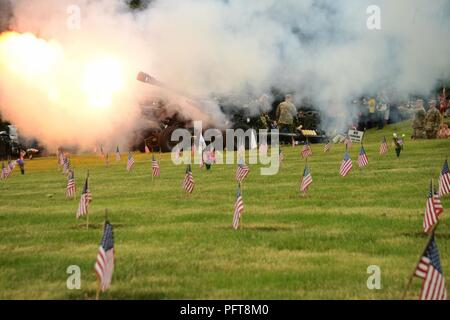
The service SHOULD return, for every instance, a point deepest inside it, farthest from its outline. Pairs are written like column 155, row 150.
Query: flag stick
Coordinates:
column 408, row 285
column 87, row 221
column 97, row 294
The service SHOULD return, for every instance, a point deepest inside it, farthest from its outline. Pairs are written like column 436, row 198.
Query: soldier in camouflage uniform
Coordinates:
column 418, row 124
column 432, row 121
column 285, row 116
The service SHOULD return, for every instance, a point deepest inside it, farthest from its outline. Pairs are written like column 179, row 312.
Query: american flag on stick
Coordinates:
column 188, row 182
column 346, row 165
column 348, row 142
column 429, row 269
column 107, row 159
column 155, row 167
column 66, row 165
column 5, row 171
column 433, row 210
column 281, row 156
column 60, row 158
column 306, row 150
column 383, row 146
column 327, row 147
column 444, row 180
column 11, row 165
column 85, row 199
column 130, row 162
column 362, row 158
column 238, row 209
column 104, row 265
column 306, row 180
column 118, row 157
column 242, row 171
column 70, row 189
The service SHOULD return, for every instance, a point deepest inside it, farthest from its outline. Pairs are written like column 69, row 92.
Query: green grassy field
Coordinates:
column 169, row 246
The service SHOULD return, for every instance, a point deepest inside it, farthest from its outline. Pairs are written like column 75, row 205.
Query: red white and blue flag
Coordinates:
column 429, row 269
column 118, row 157
column 242, row 171
column 362, row 158
column 444, row 180
column 238, row 209
column 383, row 146
column 155, row 167
column 85, row 200
column 130, row 162
column 306, row 150
column 346, row 165
column 70, row 189
column 104, row 265
column 306, row 180
column 433, row 210
column 188, row 182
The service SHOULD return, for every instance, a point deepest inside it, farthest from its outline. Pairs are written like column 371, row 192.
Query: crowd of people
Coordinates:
column 429, row 119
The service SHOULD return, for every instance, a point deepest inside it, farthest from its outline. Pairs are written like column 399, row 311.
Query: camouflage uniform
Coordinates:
column 418, row 124
column 432, row 122
column 285, row 114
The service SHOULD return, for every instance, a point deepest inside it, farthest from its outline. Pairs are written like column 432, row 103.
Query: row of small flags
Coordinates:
column 428, row 268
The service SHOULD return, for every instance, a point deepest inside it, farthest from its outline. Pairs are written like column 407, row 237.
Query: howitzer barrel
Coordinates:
column 146, row 78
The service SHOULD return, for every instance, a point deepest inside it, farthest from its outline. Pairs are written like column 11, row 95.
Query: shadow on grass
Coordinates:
column 96, row 226
column 424, row 235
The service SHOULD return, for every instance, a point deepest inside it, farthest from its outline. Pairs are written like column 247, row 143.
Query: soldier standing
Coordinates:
column 418, row 124
column 285, row 115
column 432, row 121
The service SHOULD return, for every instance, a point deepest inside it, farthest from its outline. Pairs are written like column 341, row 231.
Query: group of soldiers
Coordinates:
column 428, row 124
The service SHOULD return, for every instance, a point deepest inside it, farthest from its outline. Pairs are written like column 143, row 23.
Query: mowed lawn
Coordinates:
column 172, row 246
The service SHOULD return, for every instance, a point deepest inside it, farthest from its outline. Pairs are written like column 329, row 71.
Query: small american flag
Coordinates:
column 70, row 190
column 242, row 171
column 281, row 156
column 429, row 269
column 102, row 154
column 238, row 209
column 306, row 180
column 306, row 150
column 147, row 150
column 346, row 165
column 118, row 157
column 66, row 165
column 85, row 200
column 60, row 158
column 433, row 210
column 327, row 147
column 188, row 182
column 362, row 158
column 5, row 171
column 155, row 167
column 107, row 159
column 348, row 142
column 130, row 162
column 104, row 266
column 444, row 180
column 11, row 165
column 383, row 146
column 263, row 148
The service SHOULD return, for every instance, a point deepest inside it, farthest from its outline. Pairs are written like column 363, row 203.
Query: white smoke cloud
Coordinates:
column 316, row 48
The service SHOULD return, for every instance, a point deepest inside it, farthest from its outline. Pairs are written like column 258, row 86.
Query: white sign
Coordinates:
column 355, row 136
